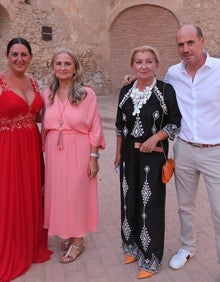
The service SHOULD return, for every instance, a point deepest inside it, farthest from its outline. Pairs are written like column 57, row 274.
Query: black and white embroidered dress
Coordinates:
column 142, row 191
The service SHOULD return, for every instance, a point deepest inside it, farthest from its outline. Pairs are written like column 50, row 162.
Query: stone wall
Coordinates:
column 104, row 32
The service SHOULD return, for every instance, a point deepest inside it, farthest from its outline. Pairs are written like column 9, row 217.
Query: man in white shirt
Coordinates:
column 196, row 81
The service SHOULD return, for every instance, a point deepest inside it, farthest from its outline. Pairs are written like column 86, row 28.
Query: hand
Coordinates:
column 128, row 79
column 93, row 168
column 149, row 145
column 117, row 162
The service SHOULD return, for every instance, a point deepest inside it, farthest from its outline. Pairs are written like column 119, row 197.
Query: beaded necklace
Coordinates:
column 140, row 98
column 61, row 108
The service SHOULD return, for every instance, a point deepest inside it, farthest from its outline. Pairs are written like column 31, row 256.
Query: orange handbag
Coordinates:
column 167, row 170
column 169, row 165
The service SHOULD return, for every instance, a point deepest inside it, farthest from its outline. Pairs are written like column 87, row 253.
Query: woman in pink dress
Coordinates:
column 73, row 136
column 23, row 240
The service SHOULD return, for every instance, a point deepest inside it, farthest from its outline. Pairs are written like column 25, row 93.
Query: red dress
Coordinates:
column 23, row 240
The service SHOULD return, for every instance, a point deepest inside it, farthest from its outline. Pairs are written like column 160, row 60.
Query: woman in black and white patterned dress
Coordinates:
column 147, row 116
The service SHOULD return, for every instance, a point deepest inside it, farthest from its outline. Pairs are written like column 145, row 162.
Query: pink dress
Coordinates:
column 71, row 201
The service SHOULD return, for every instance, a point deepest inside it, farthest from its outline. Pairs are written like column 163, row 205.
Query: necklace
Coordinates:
column 62, row 108
column 140, row 98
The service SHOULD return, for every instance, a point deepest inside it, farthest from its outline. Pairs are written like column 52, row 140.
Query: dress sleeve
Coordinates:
column 172, row 120
column 96, row 135
column 120, row 116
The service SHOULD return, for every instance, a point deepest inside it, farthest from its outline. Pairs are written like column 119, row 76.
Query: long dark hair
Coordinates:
column 19, row 40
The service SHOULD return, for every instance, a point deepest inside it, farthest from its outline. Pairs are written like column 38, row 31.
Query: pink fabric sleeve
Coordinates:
column 96, row 135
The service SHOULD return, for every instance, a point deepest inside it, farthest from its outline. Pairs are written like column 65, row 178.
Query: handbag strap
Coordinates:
column 161, row 123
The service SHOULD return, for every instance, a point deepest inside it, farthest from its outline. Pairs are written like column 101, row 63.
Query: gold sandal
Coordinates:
column 68, row 257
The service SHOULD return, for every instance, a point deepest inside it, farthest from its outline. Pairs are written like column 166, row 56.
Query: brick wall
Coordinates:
column 103, row 32
column 142, row 25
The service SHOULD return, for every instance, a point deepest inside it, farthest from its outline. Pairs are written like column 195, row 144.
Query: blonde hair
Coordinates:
column 144, row 48
column 77, row 92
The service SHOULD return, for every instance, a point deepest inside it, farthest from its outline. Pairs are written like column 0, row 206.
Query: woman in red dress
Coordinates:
column 23, row 240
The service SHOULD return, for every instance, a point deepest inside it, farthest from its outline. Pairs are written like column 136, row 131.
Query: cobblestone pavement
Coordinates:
column 102, row 260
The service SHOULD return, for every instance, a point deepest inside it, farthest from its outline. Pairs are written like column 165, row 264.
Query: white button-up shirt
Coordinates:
column 198, row 100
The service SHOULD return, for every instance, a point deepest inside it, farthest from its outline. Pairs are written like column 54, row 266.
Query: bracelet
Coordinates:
column 95, row 155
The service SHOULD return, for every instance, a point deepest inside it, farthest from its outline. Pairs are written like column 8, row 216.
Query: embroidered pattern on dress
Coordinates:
column 145, row 238
column 160, row 97
column 18, row 122
column 171, row 130
column 125, row 98
column 156, row 115
column 152, row 265
column 131, row 249
column 125, row 226
column 146, row 193
column 137, row 130
column 125, row 131
column 118, row 131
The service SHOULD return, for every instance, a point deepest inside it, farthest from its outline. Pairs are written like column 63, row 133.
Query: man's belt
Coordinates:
column 199, row 145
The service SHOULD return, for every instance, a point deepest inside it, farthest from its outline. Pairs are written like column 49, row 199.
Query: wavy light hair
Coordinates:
column 77, row 92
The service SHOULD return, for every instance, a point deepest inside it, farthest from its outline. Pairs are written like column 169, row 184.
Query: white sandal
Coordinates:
column 68, row 257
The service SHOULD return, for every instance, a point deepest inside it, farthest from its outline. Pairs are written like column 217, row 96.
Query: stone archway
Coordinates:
column 4, row 28
column 141, row 25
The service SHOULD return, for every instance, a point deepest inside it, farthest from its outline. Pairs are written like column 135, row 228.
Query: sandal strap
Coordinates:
column 77, row 247
column 69, row 256
column 68, row 251
column 73, row 246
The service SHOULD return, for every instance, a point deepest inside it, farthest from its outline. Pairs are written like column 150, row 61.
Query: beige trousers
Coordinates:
column 190, row 163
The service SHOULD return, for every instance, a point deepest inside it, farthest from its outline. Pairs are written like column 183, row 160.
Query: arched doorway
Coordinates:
column 141, row 25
